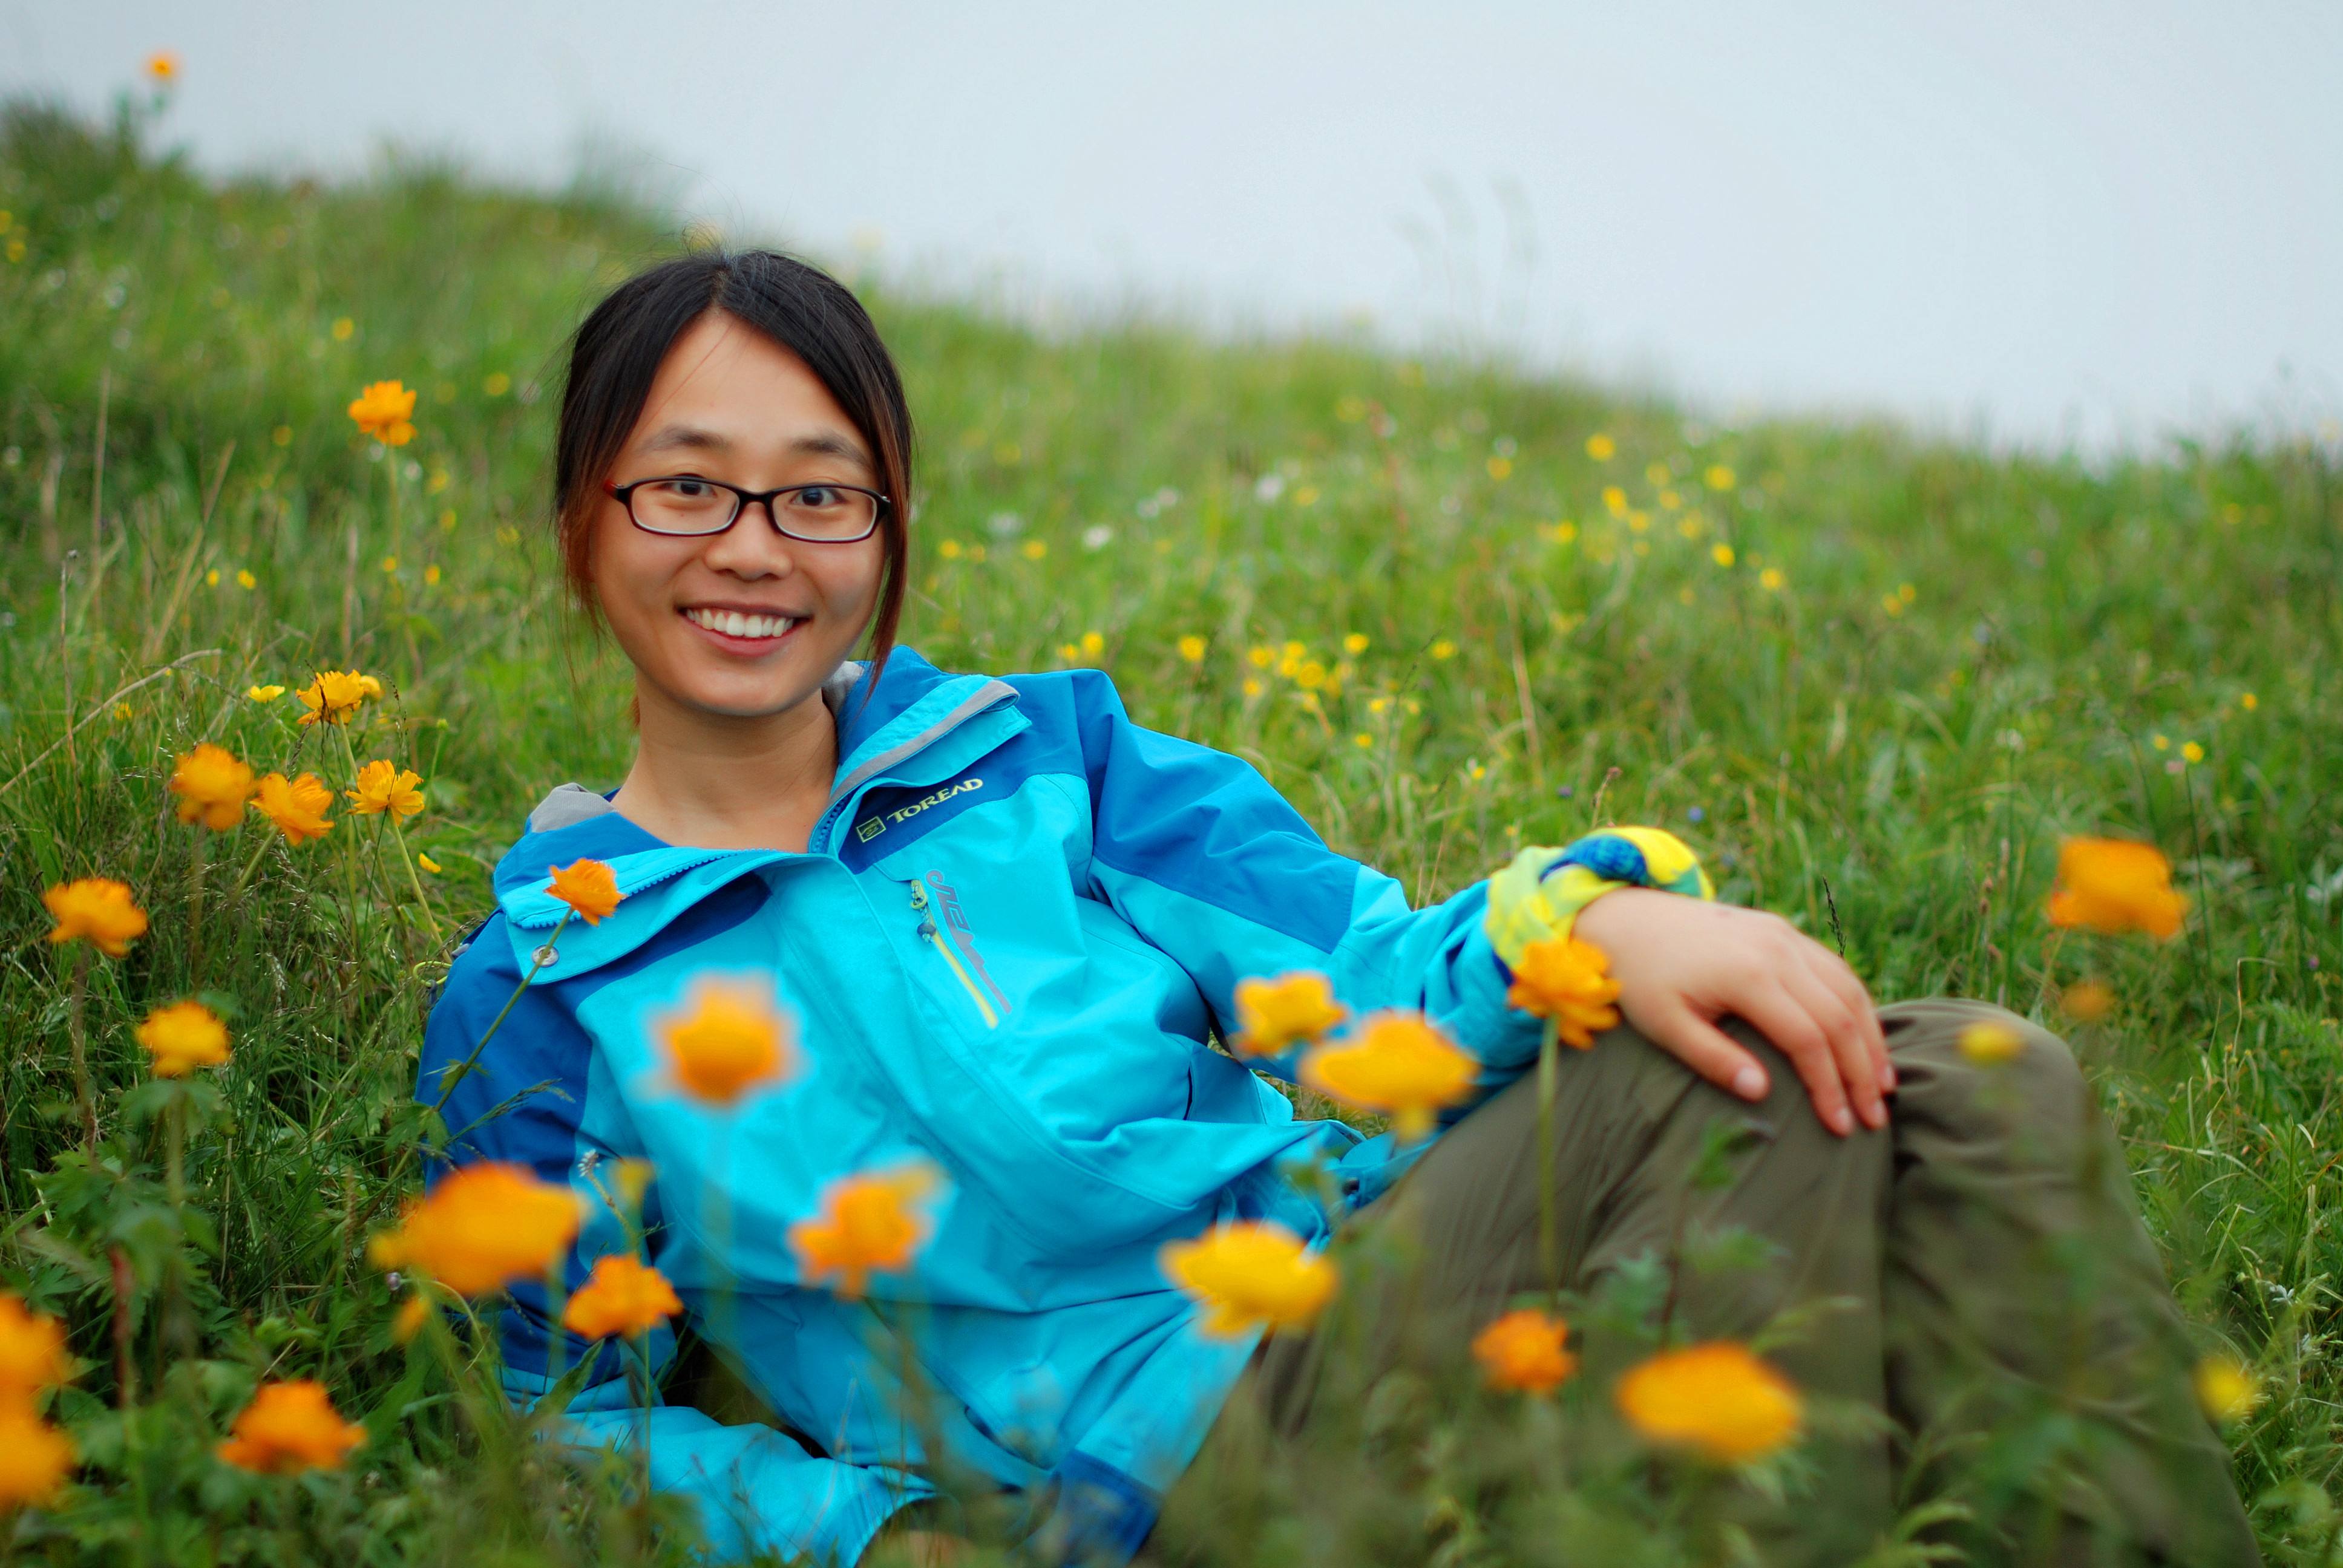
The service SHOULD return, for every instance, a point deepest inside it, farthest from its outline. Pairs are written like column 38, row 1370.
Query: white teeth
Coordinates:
column 733, row 623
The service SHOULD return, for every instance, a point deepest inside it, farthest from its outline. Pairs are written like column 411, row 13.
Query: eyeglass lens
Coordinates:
column 689, row 506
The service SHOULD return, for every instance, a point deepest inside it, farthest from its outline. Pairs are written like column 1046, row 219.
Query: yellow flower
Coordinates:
column 182, row 1037
column 431, row 575
column 1356, row 644
column 1615, row 500
column 163, row 67
column 496, row 383
column 297, row 806
column 1191, row 648
column 334, row 695
column 1093, row 644
column 2227, row 1391
column 1442, row 649
column 1501, row 468
column 949, row 549
column 1399, row 1064
column 386, row 410
column 2249, row 702
column 245, row 580
column 97, row 910
column 1363, row 741
column 35, row 1457
column 2192, row 752
column 729, row 1038
column 1569, row 981
column 211, row 577
column 264, row 693
column 2087, row 1001
column 1272, row 1014
column 290, row 1427
column 1771, row 580
column 344, row 328
column 1601, row 448
column 483, row 1227
column 1068, row 652
column 1033, row 549
column 623, row 1297
column 1721, row 553
column 427, row 862
column 1716, row 1400
column 1307, row 496
column 1718, row 476
column 1991, row 1044
column 1249, row 1272
column 1253, row 687
column 32, row 1351
column 588, row 887
column 870, row 1224
column 2112, row 885
column 282, row 435
column 390, row 565
column 212, row 786
column 385, row 786
column 1524, row 1350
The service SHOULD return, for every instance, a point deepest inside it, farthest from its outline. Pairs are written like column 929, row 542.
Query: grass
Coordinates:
column 1874, row 679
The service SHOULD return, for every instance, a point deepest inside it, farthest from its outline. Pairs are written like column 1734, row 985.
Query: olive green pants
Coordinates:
column 1975, row 1272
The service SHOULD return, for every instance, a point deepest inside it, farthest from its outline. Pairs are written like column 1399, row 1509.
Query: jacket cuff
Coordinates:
column 1538, row 895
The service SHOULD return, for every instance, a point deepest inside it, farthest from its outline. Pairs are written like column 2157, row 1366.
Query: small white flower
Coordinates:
column 1096, row 536
column 1003, row 525
column 1269, row 487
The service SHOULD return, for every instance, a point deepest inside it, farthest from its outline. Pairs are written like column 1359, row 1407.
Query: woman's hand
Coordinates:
column 1682, row 964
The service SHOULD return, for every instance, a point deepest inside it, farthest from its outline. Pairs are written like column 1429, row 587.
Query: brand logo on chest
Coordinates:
column 871, row 827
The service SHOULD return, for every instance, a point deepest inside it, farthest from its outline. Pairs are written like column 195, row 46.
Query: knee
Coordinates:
column 1971, row 1059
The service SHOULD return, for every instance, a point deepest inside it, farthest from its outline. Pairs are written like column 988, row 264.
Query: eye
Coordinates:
column 684, row 490
column 820, row 498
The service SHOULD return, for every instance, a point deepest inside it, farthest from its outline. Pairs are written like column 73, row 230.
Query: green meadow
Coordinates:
column 1446, row 607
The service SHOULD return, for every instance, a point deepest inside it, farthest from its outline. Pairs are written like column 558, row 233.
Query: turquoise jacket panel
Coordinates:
column 1011, row 936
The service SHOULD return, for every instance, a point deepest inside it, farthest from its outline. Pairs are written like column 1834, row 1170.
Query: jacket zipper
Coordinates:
column 927, row 928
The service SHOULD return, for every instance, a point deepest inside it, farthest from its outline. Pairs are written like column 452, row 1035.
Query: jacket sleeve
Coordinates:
column 1194, row 848
column 755, row 1487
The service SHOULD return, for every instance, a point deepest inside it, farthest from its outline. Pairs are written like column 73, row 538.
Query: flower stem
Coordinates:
column 174, row 1131
column 250, row 865
column 82, row 1092
column 430, row 920
column 1549, row 1081
column 196, row 911
column 455, row 1075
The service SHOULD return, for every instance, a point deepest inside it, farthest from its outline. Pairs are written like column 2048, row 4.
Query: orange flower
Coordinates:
column 622, row 1297
column 2114, row 885
column 2087, row 1001
column 163, row 67
column 1250, row 1273
column 98, row 909
column 212, row 786
column 182, row 1037
column 1568, row 981
column 413, row 1313
column 1716, row 1400
column 483, row 1227
column 728, row 1038
column 1294, row 1008
column 869, row 1224
column 385, row 786
column 1524, row 1350
column 297, row 806
column 333, row 696
column 386, row 410
column 32, row 1351
column 1401, row 1064
column 35, row 1457
column 588, row 887
column 290, row 1427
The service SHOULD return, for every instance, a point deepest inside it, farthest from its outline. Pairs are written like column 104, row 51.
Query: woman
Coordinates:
column 1008, row 920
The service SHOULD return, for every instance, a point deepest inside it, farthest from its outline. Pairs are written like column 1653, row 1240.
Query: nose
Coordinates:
column 753, row 547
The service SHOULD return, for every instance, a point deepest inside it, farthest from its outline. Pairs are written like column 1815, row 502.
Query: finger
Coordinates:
column 1707, row 1050
column 1835, row 972
column 1850, row 1046
column 1782, row 1019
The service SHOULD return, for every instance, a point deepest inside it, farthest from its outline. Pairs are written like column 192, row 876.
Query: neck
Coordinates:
column 720, row 782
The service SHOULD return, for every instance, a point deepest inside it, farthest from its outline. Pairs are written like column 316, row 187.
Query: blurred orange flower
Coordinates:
column 1569, row 981
column 163, row 67
column 290, row 1427
column 1250, row 1273
column 32, row 1351
column 483, row 1227
column 1716, row 1400
column 297, row 806
column 623, row 1296
column 97, row 910
column 2087, row 1001
column 386, row 411
column 35, row 1457
column 2113, row 886
column 212, row 786
column 588, row 887
column 1400, row 1064
column 1524, row 1350
column 728, row 1038
column 872, row 1222
column 182, row 1037
column 1294, row 1008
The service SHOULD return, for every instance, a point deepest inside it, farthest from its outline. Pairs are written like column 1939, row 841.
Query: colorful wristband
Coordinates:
column 1537, row 896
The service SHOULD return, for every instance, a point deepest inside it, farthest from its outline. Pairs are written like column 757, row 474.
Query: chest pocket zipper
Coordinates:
column 936, row 939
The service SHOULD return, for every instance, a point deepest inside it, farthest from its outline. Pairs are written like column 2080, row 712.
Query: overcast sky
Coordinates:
column 2040, row 220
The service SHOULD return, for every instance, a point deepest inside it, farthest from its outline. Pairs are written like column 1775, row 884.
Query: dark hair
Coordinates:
column 617, row 351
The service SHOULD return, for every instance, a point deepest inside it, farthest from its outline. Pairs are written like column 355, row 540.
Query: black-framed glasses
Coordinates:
column 686, row 504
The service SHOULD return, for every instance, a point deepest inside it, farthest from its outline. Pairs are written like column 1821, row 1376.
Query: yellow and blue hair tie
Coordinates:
column 1537, row 895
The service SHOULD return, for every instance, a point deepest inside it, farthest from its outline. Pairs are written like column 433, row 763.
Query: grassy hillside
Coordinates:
column 1446, row 609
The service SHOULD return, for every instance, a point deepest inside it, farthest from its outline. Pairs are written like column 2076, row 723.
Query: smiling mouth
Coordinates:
column 735, row 623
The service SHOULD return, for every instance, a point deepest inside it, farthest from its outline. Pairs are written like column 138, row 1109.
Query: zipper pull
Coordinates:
column 920, row 902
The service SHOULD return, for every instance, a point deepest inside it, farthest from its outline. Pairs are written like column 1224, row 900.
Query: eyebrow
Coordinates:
column 692, row 439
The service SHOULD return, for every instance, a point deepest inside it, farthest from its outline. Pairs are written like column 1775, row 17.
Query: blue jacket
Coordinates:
column 1011, row 934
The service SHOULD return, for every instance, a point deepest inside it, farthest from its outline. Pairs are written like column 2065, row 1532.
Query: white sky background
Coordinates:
column 2045, row 221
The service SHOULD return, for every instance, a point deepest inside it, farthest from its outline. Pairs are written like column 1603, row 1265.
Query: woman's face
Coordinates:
column 730, row 404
